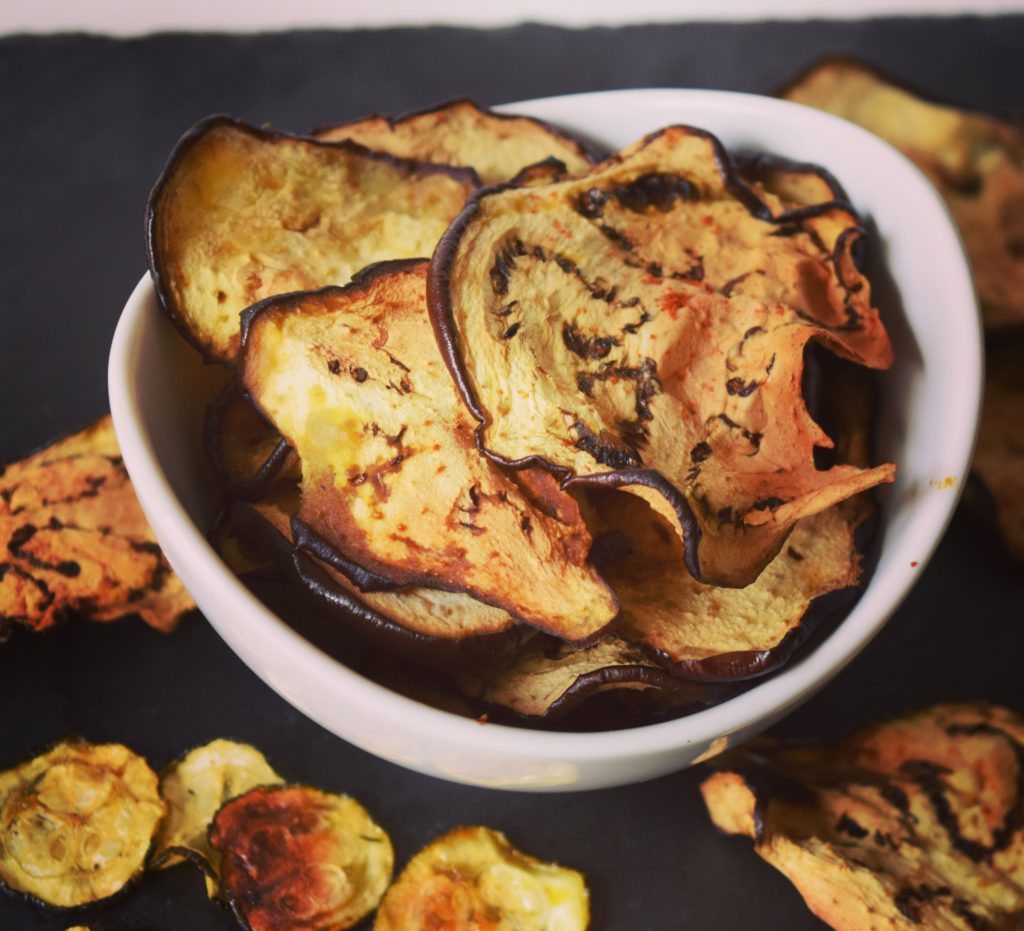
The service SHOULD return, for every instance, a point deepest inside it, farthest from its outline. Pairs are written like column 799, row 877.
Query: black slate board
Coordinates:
column 87, row 123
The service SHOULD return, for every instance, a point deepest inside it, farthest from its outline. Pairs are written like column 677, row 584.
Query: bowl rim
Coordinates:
column 187, row 547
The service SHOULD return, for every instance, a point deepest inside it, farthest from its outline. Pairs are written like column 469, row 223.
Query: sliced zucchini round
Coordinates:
column 76, row 822
column 295, row 857
column 474, row 878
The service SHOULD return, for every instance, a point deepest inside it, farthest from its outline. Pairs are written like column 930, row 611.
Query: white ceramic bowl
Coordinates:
column 158, row 390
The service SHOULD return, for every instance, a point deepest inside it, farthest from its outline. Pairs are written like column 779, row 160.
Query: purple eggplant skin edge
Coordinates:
column 259, row 483
column 442, row 319
column 196, row 133
column 589, row 150
column 338, row 604
column 377, row 578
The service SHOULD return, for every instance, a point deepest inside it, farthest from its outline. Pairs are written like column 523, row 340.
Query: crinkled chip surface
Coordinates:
column 424, row 623
column 195, row 787
column 294, row 858
column 391, row 477
column 472, row 877
column 975, row 161
column 76, row 822
column 709, row 632
column 75, row 539
column 242, row 213
column 644, row 326
column 915, row 823
column 496, row 146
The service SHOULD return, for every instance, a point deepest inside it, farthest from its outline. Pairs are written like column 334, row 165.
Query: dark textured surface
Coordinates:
column 87, row 125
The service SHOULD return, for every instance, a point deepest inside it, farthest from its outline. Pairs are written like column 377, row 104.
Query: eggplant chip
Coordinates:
column 915, row 823
column 644, row 327
column 242, row 213
column 76, row 822
column 421, row 623
column 548, row 679
column 495, row 145
column 707, row 632
column 472, row 877
column 247, row 454
column 74, row 539
column 391, row 478
column 975, row 161
column 294, row 858
column 195, row 787
column 999, row 457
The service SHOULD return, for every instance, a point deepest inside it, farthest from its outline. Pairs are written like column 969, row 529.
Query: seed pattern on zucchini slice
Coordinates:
column 74, row 539
column 496, row 146
column 76, row 822
column 714, row 633
column 913, row 823
column 975, row 161
column 472, row 877
column 195, row 787
column 426, row 624
column 242, row 213
column 294, row 858
column 644, row 326
column 391, row 478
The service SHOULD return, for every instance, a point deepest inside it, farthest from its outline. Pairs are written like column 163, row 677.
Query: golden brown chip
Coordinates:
column 295, row 858
column 546, row 678
column 708, row 632
column 425, row 623
column 242, row 213
column 472, row 877
column 975, row 161
column 644, row 326
column 495, row 145
column 75, row 539
column 795, row 184
column 247, row 454
column 391, row 477
column 914, row 823
column 999, row 456
column 76, row 822
column 195, row 787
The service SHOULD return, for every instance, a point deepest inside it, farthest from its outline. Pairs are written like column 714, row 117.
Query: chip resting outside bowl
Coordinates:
column 195, row 787
column 914, row 823
column 294, row 858
column 76, row 822
column 975, row 161
column 472, row 877
column 75, row 540
column 644, row 327
column 496, row 146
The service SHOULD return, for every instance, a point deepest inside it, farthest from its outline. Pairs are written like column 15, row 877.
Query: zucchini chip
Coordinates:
column 74, row 539
column 246, row 453
column 472, row 877
column 76, row 822
column 975, row 161
column 195, row 787
column 915, row 823
column 796, row 185
column 425, row 624
column 242, row 213
column 999, row 457
column 391, row 478
column 644, row 327
column 711, row 633
column 495, row 145
column 294, row 858
column 548, row 679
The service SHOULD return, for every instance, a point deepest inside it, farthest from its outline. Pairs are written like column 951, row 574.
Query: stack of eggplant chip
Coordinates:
column 573, row 453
